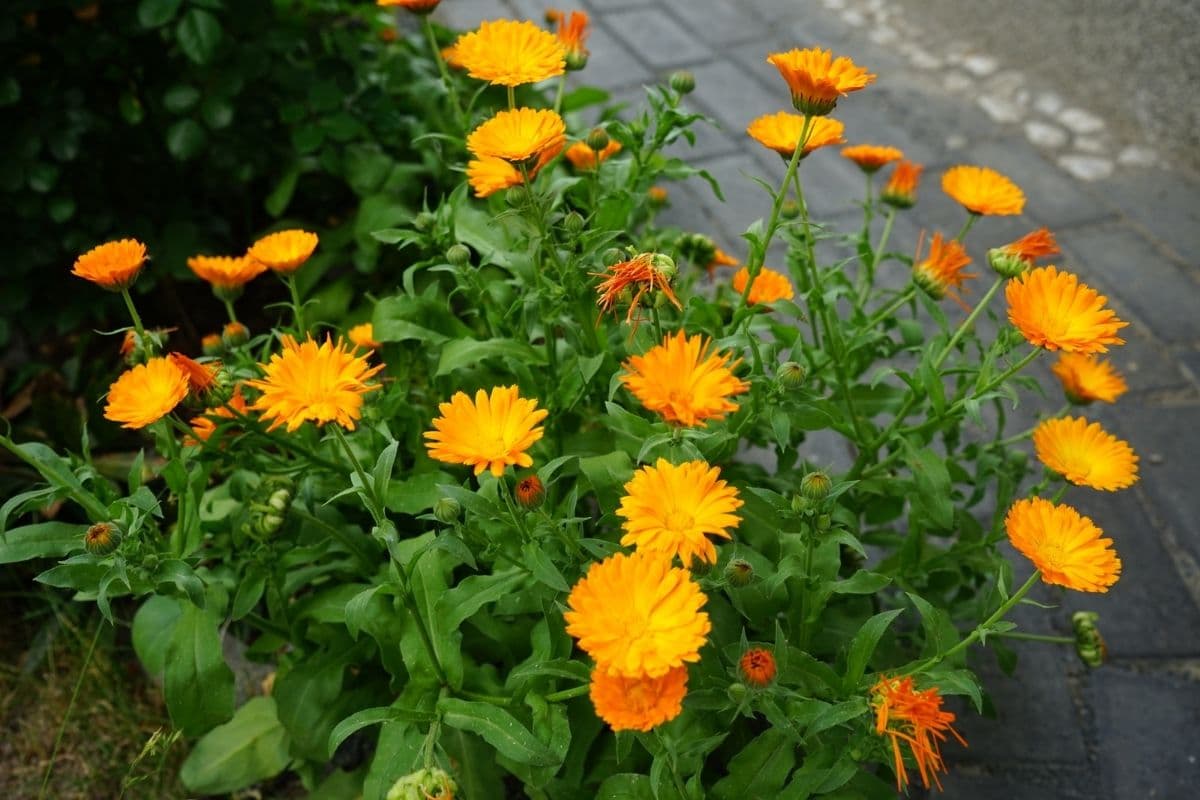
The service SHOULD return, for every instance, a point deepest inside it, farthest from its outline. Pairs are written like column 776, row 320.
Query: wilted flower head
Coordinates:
column 901, row 189
column 941, row 271
column 643, row 273
column 572, row 33
column 915, row 719
column 1015, row 258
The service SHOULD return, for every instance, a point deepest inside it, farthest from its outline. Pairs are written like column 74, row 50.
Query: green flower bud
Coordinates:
column 576, row 60
column 424, row 221
column 815, row 486
column 459, row 255
column 280, row 500
column 430, row 783
column 790, row 375
column 790, row 210
column 447, row 510
column 597, row 139
column 699, row 567
column 637, row 127
column 824, row 522
column 268, row 524
column 739, row 572
column 235, row 334
column 612, row 255
column 736, row 692
column 683, row 82
column 102, row 538
column 1006, row 263
column 573, row 223
column 212, row 345
column 516, row 196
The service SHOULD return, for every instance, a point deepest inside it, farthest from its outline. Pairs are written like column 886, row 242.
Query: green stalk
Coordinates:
column 137, row 321
column 512, row 98
column 297, row 306
column 877, row 252
column 373, row 504
column 558, row 97
column 971, row 217
column 446, row 79
column 1035, row 637
column 883, row 313
column 567, row 694
column 969, row 321
column 229, row 309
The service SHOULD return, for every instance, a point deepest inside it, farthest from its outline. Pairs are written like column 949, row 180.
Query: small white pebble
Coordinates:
column 956, row 82
column 980, row 65
column 1136, row 155
column 1043, row 134
column 1086, row 168
column 1081, row 121
column 1048, row 103
column 999, row 108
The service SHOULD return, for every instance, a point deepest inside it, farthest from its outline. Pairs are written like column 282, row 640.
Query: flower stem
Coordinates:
column 229, row 309
column 446, row 79
column 558, row 97
column 567, row 694
column 883, row 313
column 137, row 321
column 969, row 321
column 971, row 217
column 297, row 306
column 512, row 98
column 873, row 262
column 368, row 488
column 1035, row 637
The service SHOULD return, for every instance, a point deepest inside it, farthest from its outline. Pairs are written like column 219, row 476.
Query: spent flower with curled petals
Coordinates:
column 942, row 270
column 913, row 718
column 647, row 272
column 201, row 377
column 900, row 191
column 1018, row 257
column 493, row 432
column 572, row 33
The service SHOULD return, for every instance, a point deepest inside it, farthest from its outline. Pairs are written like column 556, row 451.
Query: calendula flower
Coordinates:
column 583, row 157
column 511, row 53
column 641, row 274
column 491, row 433
column 901, row 189
column 322, row 383
column 517, row 135
column 983, row 191
column 781, row 132
column 757, row 667
column 916, row 719
column 720, row 259
column 1065, row 546
column 363, row 336
column 490, row 175
column 113, row 265
column 679, row 380
column 768, row 285
column 1085, row 454
column 572, row 33
column 284, row 251
column 205, row 425
column 942, row 269
column 226, row 272
column 1086, row 379
column 146, row 393
column 451, row 57
column 1054, row 310
column 1017, row 257
column 817, row 79
column 870, row 157
column 200, row 376
column 640, row 703
column 673, row 509
column 638, row 616
column 415, row 6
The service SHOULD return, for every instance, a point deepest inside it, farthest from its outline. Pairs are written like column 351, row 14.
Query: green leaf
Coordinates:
column 542, row 567
column 309, row 697
column 181, row 97
column 373, row 716
column 197, row 682
column 940, row 633
column 607, row 475
column 153, row 13
column 626, row 786
column 57, row 471
column 473, row 593
column 277, row 201
column 760, row 769
column 583, row 97
column 198, row 34
column 417, row 493
column 861, row 582
column 462, row 353
column 185, row 139
column 499, row 729
column 836, row 714
column 152, row 627
column 933, row 487
column 249, row 591
column 863, row 647
column 251, row 747
column 43, row 540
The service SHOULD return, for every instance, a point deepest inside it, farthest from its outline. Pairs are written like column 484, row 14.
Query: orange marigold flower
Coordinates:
column 672, row 509
column 363, row 336
column 129, row 342
column 1086, row 379
column 638, row 703
column 517, row 135
column 638, row 616
column 200, row 376
column 914, row 718
column 511, row 53
column 113, row 265
column 205, row 425
column 901, row 189
column 641, row 274
column 530, row 491
column 146, row 393
column 657, row 195
column 1054, row 310
column 817, row 79
column 572, row 33
column 1015, row 258
column 490, row 175
column 1065, row 546
column 768, row 286
column 942, row 270
column 720, row 259
column 679, row 380
column 870, row 157
column 491, row 433
column 1085, row 454
column 323, row 383
column 583, row 157
column 983, row 191
column 781, row 132
column 757, row 666
column 226, row 272
column 451, row 57
column 415, row 6
column 284, row 251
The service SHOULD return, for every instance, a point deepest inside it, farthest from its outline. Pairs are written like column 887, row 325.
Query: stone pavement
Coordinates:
column 1129, row 228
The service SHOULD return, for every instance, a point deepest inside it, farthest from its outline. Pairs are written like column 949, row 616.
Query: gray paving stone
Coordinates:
column 612, row 65
column 1165, row 203
column 658, row 38
column 717, row 21
column 1161, row 294
column 745, row 201
column 733, row 96
column 467, row 14
column 608, row 5
column 1148, row 749
column 1019, row 782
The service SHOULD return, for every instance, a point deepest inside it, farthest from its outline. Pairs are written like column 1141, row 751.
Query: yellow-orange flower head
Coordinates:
column 226, row 272
column 942, row 270
column 322, row 383
column 768, row 285
column 900, row 190
column 1017, row 257
column 983, row 191
column 518, row 135
column 510, row 53
column 916, row 719
column 284, row 251
column 363, row 336
column 205, row 425
column 1054, row 310
column 491, row 433
column 781, row 132
column 638, row 704
column 113, row 265
column 490, row 175
column 583, row 157
column 1086, row 379
column 672, row 510
column 1065, row 546
column 870, row 158
column 146, row 393
column 1085, row 454
column 638, row 616
column 679, row 380
column 817, row 79
column 201, row 377
column 572, row 32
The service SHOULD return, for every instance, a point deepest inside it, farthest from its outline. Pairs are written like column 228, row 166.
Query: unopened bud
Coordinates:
column 683, row 81
column 612, row 256
column 530, row 492
column 458, row 255
column 1089, row 645
column 576, row 60
column 447, row 510
column 430, row 783
column 824, row 522
column 791, row 375
column 657, row 196
column 699, row 567
column 573, row 223
column 739, row 572
column 597, row 139
column 790, row 210
column 424, row 221
column 637, row 127
column 516, row 196
column 736, row 692
column 815, row 486
column 235, row 334
column 211, row 345
column 102, row 538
